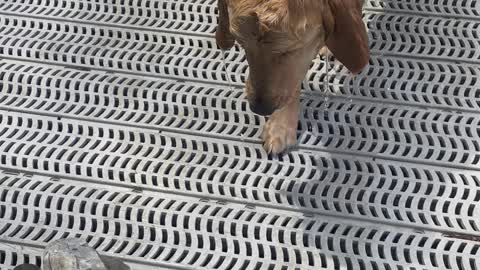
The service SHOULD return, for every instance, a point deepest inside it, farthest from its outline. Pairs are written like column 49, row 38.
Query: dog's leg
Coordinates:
column 280, row 131
column 224, row 38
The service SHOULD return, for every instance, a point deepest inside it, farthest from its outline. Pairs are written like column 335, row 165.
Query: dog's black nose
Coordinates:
column 262, row 108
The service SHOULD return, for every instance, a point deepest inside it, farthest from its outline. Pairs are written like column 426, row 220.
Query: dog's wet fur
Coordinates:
column 280, row 39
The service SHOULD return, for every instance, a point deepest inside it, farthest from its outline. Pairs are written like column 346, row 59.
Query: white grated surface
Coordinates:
column 117, row 125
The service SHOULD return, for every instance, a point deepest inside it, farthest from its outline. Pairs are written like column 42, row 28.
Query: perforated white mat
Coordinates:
column 117, row 124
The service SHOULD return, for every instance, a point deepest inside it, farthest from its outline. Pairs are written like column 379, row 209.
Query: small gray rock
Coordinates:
column 71, row 254
column 75, row 254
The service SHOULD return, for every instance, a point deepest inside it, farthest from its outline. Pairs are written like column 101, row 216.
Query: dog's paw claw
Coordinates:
column 278, row 137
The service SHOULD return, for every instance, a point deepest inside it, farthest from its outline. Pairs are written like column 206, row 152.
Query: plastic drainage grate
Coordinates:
column 187, row 57
column 422, row 83
column 202, row 234
column 121, row 117
column 425, row 37
column 11, row 256
column 199, row 17
column 193, row 57
column 189, row 17
column 338, row 125
column 360, row 188
column 447, row 8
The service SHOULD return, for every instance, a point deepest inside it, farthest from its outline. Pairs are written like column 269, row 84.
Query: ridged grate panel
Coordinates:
column 337, row 125
column 442, row 38
column 446, row 39
column 447, row 8
column 362, row 188
column 422, row 83
column 144, row 137
column 425, row 83
column 12, row 255
column 199, row 17
column 192, row 17
column 211, row 235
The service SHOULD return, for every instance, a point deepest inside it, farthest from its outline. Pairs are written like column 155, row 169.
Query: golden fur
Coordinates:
column 280, row 15
column 280, row 38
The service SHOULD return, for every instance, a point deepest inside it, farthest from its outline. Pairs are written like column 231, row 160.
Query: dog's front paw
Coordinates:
column 279, row 133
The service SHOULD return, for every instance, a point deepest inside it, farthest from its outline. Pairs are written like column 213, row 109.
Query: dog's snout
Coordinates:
column 261, row 107
column 259, row 100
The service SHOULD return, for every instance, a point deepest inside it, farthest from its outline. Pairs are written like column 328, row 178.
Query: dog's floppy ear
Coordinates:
column 347, row 38
column 224, row 38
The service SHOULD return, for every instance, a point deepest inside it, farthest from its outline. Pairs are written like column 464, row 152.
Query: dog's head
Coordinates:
column 281, row 37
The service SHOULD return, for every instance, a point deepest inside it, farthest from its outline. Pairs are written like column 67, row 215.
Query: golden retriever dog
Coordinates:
column 280, row 39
